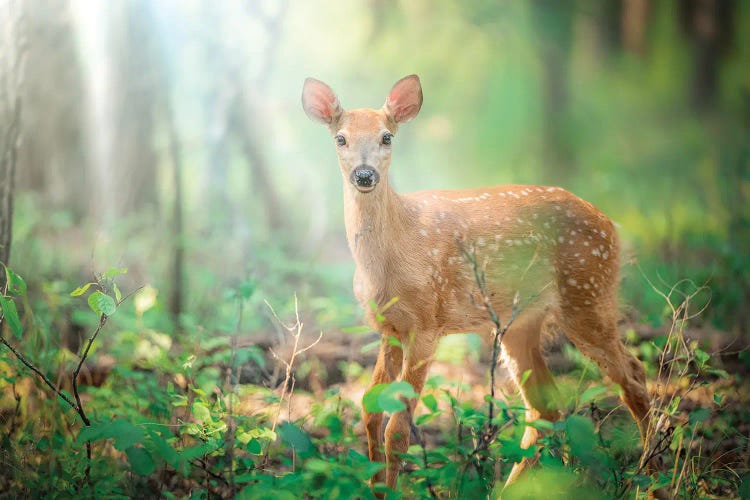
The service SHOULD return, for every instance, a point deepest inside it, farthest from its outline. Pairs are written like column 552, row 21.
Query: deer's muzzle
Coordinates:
column 364, row 178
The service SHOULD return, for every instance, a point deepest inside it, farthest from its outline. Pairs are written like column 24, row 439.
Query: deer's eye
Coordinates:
column 387, row 139
column 340, row 140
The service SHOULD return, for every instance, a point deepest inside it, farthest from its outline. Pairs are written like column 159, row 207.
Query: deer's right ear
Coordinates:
column 320, row 103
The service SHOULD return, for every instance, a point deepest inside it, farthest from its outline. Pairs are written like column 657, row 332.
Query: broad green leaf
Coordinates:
column 201, row 412
column 296, row 438
column 698, row 415
column 254, row 447
column 141, row 461
column 118, row 293
column 581, row 436
column 10, row 313
column 370, row 401
column 101, row 303
column 16, row 284
column 123, row 432
column 387, row 397
column 81, row 290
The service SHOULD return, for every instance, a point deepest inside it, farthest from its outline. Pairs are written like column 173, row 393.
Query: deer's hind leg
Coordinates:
column 593, row 330
column 521, row 352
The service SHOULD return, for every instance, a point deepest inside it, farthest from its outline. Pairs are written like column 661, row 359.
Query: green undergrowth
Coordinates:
column 173, row 417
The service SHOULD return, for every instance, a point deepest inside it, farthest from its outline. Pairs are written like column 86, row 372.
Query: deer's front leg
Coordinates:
column 419, row 354
column 387, row 367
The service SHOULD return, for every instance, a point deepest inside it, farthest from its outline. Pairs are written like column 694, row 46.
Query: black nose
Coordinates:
column 364, row 176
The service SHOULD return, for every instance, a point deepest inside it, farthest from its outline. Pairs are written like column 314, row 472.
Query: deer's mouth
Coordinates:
column 364, row 178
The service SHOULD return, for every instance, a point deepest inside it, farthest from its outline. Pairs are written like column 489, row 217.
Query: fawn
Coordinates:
column 539, row 246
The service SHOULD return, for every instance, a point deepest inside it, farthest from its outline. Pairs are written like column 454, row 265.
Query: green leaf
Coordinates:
column 387, row 397
column 10, row 313
column 698, row 415
column 296, row 438
column 16, row 284
column 254, row 447
column 524, row 377
column 702, row 356
column 247, row 288
column 201, row 412
column 427, row 417
column 394, row 341
column 141, row 461
column 81, row 290
column 356, row 329
column 591, row 393
column 115, row 271
column 123, row 432
column 118, row 293
column 430, row 402
column 370, row 346
column 102, row 304
column 581, row 436
column 370, row 400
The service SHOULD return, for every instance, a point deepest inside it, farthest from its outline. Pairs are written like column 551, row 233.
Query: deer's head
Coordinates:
column 363, row 137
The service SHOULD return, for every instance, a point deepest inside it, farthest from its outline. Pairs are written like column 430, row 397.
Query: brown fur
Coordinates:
column 556, row 251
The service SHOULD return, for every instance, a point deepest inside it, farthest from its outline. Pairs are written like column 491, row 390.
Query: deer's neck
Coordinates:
column 375, row 223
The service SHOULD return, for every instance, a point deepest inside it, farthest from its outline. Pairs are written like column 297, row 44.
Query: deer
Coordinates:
column 539, row 246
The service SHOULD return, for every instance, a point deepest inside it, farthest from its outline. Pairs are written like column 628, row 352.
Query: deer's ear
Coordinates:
column 404, row 100
column 319, row 102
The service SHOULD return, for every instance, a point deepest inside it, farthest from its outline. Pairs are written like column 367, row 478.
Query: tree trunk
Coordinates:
column 51, row 160
column 708, row 26
column 10, row 122
column 553, row 22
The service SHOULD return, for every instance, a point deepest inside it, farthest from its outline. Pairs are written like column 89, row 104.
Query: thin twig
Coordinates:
column 102, row 321
column 295, row 330
column 36, row 370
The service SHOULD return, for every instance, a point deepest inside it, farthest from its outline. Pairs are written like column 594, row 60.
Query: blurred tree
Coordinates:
column 11, row 54
column 51, row 161
column 708, row 25
column 553, row 24
column 633, row 25
column 135, row 89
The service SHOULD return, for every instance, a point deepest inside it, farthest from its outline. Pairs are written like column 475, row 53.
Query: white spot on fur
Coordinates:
column 572, row 281
column 435, row 251
column 423, row 232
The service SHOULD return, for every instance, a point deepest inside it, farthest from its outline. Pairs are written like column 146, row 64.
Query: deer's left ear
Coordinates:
column 404, row 100
column 320, row 102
